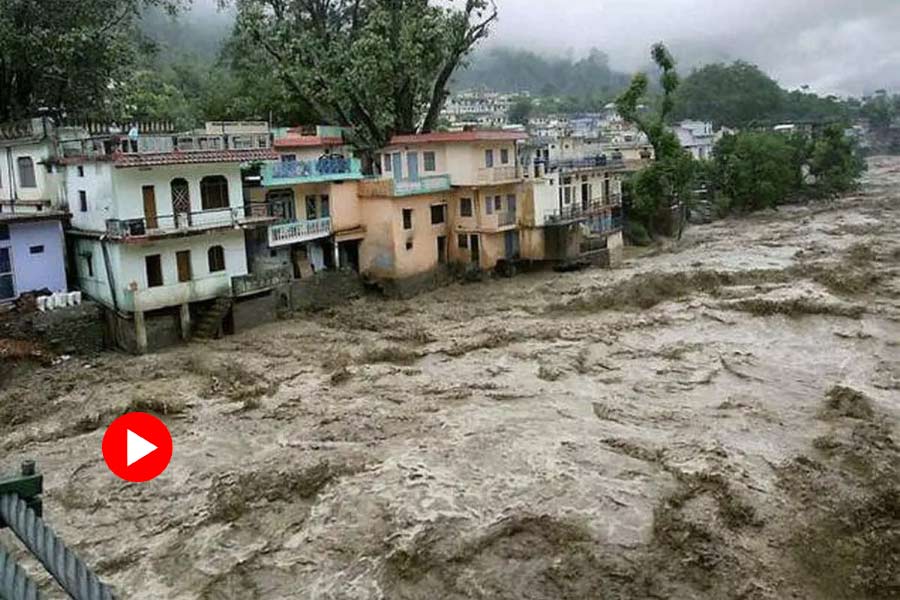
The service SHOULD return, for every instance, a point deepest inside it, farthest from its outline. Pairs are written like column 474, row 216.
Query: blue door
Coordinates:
column 397, row 165
column 512, row 244
column 412, row 164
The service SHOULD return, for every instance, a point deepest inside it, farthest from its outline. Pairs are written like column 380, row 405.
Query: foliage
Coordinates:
column 881, row 110
column 510, row 70
column 73, row 56
column 667, row 181
column 378, row 67
column 756, row 169
column 741, row 95
column 762, row 169
column 520, row 111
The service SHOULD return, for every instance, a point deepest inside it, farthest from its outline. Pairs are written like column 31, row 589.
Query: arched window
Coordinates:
column 214, row 192
column 181, row 196
column 216, row 257
column 26, row 172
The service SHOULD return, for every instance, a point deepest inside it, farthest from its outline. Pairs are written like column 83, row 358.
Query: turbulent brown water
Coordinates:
column 715, row 419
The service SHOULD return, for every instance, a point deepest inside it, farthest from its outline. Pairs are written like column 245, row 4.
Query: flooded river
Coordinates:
column 714, row 419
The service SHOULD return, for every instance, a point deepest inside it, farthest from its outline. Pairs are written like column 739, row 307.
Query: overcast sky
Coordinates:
column 835, row 46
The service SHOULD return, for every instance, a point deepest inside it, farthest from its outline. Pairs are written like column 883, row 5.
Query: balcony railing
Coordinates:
column 294, row 232
column 422, row 185
column 218, row 218
column 262, row 281
column 578, row 211
column 498, row 174
column 196, row 290
column 588, row 162
column 331, row 168
column 111, row 144
column 505, row 219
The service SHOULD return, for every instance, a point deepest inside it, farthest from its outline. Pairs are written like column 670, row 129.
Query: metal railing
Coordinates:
column 162, row 144
column 330, row 167
column 299, row 231
column 588, row 162
column 181, row 222
column 506, row 218
column 578, row 211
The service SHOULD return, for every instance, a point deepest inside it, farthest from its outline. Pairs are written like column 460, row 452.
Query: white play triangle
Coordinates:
column 137, row 448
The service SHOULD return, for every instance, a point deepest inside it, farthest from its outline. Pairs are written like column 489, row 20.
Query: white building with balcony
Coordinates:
column 697, row 137
column 158, row 227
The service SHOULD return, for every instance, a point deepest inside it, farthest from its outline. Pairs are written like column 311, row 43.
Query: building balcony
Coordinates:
column 106, row 144
column 387, row 188
column 498, row 174
column 255, row 283
column 577, row 211
column 162, row 296
column 311, row 171
column 182, row 224
column 598, row 161
column 293, row 232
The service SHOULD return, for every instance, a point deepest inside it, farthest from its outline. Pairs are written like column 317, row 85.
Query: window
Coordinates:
column 511, row 203
column 442, row 249
column 504, row 156
column 89, row 261
column 312, row 212
column 154, row 270
column 465, row 207
column 488, row 158
column 26, row 172
column 498, row 203
column 288, row 157
column 81, row 170
column 4, row 232
column 488, row 205
column 36, row 249
column 438, row 214
column 430, row 162
column 407, row 218
column 409, row 244
column 183, row 261
column 463, row 241
column 181, row 196
column 214, row 192
column 387, row 163
column 216, row 256
column 325, row 206
column 82, row 200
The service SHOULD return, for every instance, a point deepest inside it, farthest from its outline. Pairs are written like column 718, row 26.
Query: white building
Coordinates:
column 697, row 137
column 158, row 225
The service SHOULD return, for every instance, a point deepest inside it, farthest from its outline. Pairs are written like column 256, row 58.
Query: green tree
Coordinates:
column 377, row 67
column 667, row 181
column 734, row 95
column 71, row 56
column 834, row 161
column 521, row 110
column 880, row 110
column 756, row 170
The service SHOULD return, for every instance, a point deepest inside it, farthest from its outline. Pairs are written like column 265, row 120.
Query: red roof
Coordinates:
column 304, row 141
column 124, row 160
column 478, row 135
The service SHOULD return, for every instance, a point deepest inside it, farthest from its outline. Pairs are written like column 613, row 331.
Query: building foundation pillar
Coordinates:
column 337, row 256
column 140, row 331
column 185, row 320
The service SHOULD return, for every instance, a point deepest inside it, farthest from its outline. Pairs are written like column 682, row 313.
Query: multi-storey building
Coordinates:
column 32, row 251
column 443, row 198
column 158, row 225
column 697, row 137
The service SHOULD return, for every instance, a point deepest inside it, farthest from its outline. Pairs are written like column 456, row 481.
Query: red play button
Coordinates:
column 137, row 447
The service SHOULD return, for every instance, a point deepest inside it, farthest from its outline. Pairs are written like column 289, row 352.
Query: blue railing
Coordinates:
column 328, row 168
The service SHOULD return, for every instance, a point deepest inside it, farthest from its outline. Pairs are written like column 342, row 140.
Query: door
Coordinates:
column 606, row 191
column 442, row 249
column 585, row 196
column 150, row 216
column 412, row 165
column 183, row 259
column 397, row 165
column 474, row 249
column 7, row 283
column 511, row 241
column 154, row 270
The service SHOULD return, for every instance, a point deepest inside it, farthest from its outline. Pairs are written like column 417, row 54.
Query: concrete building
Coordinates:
column 443, row 198
column 158, row 228
column 32, row 249
column 697, row 137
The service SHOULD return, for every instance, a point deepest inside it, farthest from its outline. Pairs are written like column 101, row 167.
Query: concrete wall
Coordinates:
column 326, row 289
column 75, row 330
column 95, row 179
column 346, row 213
column 36, row 271
column 48, row 184
column 462, row 161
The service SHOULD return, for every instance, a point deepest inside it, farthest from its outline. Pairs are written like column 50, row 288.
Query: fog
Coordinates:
column 834, row 46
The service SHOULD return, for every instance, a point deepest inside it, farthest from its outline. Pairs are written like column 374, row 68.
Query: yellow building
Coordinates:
column 442, row 198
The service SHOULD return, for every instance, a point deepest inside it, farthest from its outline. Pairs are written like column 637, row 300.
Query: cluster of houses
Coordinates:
column 187, row 234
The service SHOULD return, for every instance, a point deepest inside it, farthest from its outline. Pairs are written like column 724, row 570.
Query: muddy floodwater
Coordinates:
column 717, row 418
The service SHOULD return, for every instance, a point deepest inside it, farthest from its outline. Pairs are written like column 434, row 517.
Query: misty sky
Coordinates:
column 845, row 47
column 835, row 46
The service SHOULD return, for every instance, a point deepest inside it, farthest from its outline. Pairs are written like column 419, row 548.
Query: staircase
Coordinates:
column 210, row 323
